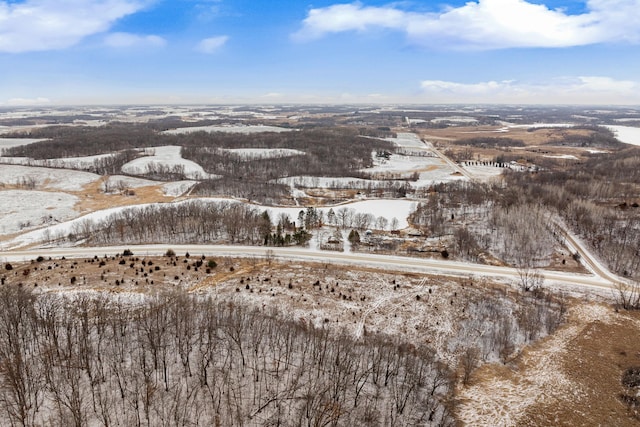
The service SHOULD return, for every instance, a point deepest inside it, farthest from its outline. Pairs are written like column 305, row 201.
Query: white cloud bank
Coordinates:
column 485, row 24
column 212, row 44
column 565, row 90
column 128, row 40
column 37, row 25
column 20, row 102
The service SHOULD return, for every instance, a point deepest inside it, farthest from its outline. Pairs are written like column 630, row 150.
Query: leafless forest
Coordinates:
column 177, row 360
column 514, row 220
column 220, row 222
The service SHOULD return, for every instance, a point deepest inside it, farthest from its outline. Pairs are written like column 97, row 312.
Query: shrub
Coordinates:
column 8, row 266
column 127, row 252
column 631, row 377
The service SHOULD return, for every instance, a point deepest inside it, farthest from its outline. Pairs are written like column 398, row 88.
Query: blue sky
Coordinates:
column 284, row 51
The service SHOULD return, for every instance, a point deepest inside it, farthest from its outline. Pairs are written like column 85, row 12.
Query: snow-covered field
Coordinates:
column 407, row 140
column 228, row 129
column 16, row 142
column 168, row 157
column 115, row 183
column 328, row 182
column 263, row 153
column 432, row 170
column 509, row 126
column 437, row 176
column 24, row 209
column 46, row 178
column 627, row 119
column 484, row 172
column 177, row 188
column 455, row 119
column 389, row 209
column 62, row 229
column 542, row 125
column 561, row 156
column 399, row 163
column 626, row 134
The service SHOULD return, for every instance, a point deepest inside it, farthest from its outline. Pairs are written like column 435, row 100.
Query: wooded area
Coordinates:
column 171, row 359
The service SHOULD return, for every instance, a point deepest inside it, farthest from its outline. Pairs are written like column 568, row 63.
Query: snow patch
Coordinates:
column 561, row 156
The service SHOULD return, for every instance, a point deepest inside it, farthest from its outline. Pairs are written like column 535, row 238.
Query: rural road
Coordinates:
column 387, row 262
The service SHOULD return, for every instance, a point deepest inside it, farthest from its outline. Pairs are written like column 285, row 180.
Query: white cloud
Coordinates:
column 212, row 44
column 485, row 24
column 272, row 95
column 36, row 25
column 28, row 101
column 563, row 90
column 125, row 40
column 347, row 17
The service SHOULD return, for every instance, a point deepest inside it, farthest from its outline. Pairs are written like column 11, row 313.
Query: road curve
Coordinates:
column 386, row 262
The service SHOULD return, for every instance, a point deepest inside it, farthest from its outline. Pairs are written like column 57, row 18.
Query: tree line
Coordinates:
column 188, row 222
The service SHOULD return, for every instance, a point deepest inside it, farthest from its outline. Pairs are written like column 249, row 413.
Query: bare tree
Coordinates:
column 627, row 295
column 530, row 279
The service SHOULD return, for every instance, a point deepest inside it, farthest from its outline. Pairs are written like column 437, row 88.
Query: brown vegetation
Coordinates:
column 572, row 378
